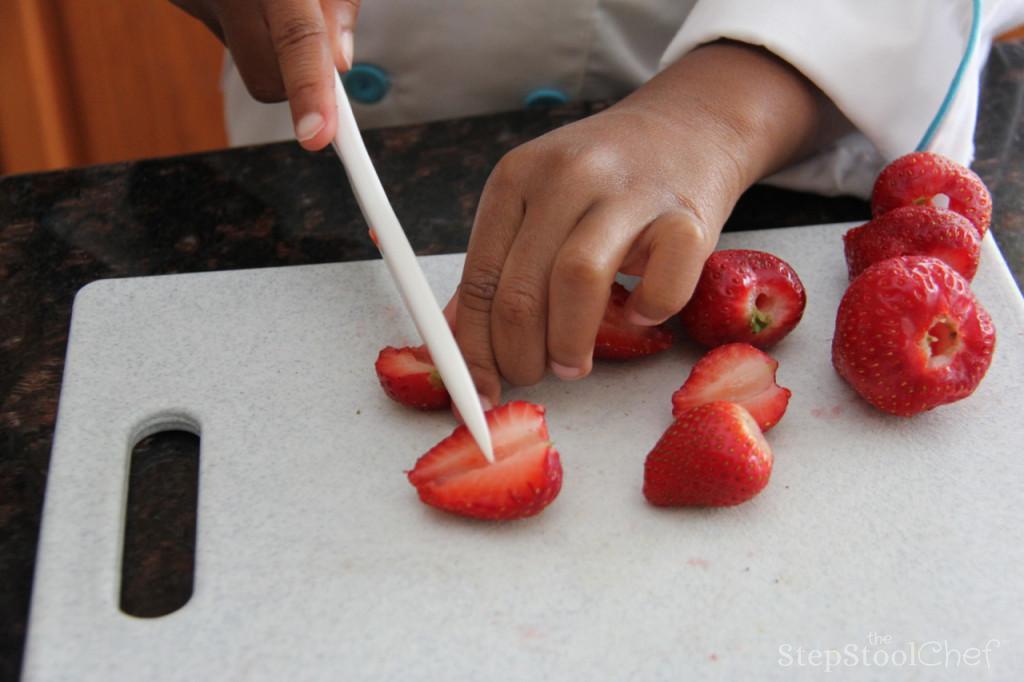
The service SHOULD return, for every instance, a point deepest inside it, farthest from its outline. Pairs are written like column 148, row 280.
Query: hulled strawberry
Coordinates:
column 926, row 178
column 618, row 339
column 712, row 456
column 409, row 376
column 914, row 231
column 911, row 336
column 525, row 477
column 739, row 373
column 744, row 296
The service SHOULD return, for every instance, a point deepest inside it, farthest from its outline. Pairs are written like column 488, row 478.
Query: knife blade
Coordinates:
column 406, row 272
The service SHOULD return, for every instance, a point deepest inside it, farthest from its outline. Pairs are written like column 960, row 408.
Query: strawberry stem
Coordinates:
column 759, row 321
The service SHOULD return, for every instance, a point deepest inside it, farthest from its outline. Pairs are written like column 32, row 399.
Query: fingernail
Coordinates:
column 347, row 48
column 485, row 403
column 566, row 373
column 636, row 318
column 308, row 126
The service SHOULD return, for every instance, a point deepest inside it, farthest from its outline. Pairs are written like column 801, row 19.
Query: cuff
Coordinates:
column 885, row 65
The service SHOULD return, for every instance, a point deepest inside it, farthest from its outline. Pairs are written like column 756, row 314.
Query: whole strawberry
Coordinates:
column 914, row 231
column 744, row 296
column 922, row 178
column 911, row 336
column 712, row 456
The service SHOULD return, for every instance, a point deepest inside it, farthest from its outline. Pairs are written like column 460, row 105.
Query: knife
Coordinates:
column 406, row 272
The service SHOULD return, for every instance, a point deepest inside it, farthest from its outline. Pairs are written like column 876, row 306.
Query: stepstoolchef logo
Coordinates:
column 881, row 652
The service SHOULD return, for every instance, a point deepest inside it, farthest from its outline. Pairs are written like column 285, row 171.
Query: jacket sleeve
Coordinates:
column 884, row 65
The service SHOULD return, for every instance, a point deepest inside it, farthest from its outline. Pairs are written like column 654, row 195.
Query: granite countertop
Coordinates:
column 276, row 205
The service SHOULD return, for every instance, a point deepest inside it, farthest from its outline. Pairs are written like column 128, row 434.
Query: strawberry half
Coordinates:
column 914, row 231
column 744, row 296
column 409, row 376
column 618, row 339
column 525, row 477
column 923, row 178
column 712, row 456
column 911, row 336
column 739, row 373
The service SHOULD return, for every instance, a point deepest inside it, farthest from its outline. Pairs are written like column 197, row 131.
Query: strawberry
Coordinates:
column 525, row 477
column 739, row 373
column 618, row 339
column 911, row 336
column 914, row 231
column 924, row 178
column 712, row 456
column 409, row 376
column 747, row 296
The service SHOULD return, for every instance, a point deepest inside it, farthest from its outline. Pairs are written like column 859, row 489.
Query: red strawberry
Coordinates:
column 409, row 376
column 618, row 339
column 739, row 373
column 712, row 456
column 914, row 231
column 747, row 296
column 911, row 336
column 922, row 177
column 525, row 477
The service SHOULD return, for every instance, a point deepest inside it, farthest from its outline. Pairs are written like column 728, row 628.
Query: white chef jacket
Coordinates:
column 884, row 64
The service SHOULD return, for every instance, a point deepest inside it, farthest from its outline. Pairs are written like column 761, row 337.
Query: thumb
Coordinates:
column 340, row 16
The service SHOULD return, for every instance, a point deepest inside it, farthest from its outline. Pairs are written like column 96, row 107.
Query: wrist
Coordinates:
column 754, row 112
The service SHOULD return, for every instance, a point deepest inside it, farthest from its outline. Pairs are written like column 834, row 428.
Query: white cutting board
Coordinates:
column 316, row 561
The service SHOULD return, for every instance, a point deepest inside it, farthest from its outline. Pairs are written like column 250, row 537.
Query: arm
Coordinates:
column 642, row 188
column 884, row 66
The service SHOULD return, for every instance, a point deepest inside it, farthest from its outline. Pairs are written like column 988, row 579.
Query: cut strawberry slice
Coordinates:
column 525, row 477
column 409, row 376
column 739, row 373
column 618, row 339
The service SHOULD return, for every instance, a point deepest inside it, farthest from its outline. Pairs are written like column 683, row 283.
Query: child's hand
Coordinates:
column 287, row 49
column 642, row 188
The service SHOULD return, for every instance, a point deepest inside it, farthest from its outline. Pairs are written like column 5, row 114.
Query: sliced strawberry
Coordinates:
column 409, row 376
column 712, row 456
column 739, row 373
column 744, row 296
column 911, row 336
column 926, row 178
column 525, row 477
column 914, row 231
column 618, row 339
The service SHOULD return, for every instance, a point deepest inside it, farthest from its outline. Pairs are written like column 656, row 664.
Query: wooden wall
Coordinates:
column 93, row 81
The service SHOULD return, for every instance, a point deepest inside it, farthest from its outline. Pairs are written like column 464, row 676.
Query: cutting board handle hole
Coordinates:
column 158, row 557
